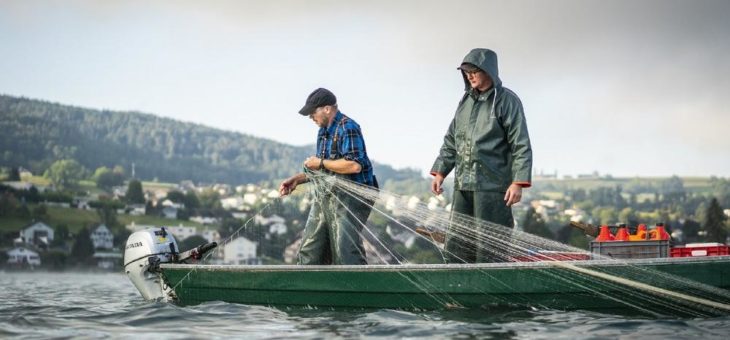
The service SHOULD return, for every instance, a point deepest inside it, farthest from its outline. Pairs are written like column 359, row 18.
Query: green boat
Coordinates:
column 676, row 285
column 592, row 285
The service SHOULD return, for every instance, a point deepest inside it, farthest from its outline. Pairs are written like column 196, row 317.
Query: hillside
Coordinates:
column 34, row 133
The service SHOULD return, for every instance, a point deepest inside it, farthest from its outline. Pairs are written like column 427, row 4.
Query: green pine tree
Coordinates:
column 715, row 223
column 134, row 192
column 83, row 249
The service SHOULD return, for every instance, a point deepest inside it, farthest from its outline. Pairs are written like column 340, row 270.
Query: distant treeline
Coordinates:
column 35, row 133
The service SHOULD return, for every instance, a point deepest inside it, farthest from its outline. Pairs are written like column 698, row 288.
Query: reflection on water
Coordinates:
column 101, row 305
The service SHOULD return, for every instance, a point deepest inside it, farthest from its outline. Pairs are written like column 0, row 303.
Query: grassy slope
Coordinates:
column 76, row 219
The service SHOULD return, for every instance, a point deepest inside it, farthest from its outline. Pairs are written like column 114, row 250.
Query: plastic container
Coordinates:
column 658, row 233
column 641, row 234
column 700, row 249
column 631, row 249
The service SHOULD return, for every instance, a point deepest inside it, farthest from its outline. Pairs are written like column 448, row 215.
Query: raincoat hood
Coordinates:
column 486, row 60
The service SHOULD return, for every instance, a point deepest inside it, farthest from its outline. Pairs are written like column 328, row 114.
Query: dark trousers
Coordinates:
column 467, row 247
column 332, row 233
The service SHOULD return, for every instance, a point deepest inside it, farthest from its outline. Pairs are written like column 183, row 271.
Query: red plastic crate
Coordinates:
column 700, row 249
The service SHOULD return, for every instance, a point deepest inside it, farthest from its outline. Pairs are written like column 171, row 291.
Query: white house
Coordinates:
column 240, row 251
column 37, row 233
column 170, row 203
column 233, row 202
column 23, row 256
column 169, row 212
column 102, row 237
column 181, row 232
column 211, row 235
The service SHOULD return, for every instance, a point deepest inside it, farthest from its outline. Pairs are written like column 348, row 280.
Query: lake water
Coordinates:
column 71, row 305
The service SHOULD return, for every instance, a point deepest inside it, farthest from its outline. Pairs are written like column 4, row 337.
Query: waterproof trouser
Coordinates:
column 332, row 232
column 482, row 205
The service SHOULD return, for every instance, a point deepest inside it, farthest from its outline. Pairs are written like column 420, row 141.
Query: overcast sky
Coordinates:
column 621, row 87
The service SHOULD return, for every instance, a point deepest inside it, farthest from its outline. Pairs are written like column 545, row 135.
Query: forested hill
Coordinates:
column 35, row 133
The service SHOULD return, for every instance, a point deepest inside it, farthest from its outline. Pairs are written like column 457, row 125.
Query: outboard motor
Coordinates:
column 144, row 252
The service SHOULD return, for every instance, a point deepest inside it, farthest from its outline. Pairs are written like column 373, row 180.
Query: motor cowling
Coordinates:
column 143, row 253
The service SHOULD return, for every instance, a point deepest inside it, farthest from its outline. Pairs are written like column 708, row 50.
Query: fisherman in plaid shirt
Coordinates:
column 332, row 232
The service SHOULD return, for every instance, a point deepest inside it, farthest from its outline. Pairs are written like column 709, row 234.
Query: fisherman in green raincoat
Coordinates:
column 332, row 232
column 488, row 144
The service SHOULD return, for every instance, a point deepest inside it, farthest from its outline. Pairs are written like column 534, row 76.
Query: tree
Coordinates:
column 192, row 242
column 83, row 248
column 65, row 173
column 715, row 223
column 534, row 224
column 627, row 215
column 191, row 201
column 60, row 235
column 690, row 229
column 14, row 174
column 134, row 192
column 106, row 178
column 176, row 196
column 108, row 215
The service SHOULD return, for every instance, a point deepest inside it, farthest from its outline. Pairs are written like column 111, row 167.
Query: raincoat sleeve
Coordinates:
column 446, row 159
column 515, row 126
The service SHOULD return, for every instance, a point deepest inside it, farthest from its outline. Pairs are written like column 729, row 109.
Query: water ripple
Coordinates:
column 42, row 305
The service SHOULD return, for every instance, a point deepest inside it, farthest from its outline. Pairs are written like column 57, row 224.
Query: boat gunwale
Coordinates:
column 441, row 267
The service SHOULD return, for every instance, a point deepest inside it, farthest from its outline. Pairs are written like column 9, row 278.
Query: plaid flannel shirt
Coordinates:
column 343, row 139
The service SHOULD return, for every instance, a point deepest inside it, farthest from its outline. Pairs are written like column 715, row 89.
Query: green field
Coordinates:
column 76, row 219
column 691, row 184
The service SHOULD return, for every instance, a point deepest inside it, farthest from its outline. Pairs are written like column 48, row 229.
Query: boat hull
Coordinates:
column 535, row 284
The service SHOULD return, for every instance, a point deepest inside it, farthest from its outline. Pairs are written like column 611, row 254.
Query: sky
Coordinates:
column 627, row 88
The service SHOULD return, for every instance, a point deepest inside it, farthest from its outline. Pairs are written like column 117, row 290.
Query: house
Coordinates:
column 37, row 233
column 181, row 232
column 169, row 203
column 234, row 202
column 211, row 235
column 102, row 237
column 205, row 220
column 136, row 209
column 276, row 223
column 240, row 251
column 169, row 212
column 186, row 186
column 21, row 256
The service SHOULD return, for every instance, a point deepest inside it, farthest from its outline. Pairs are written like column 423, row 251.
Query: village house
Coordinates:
column 233, row 202
column 169, row 213
column 276, row 223
column 21, row 256
column 240, row 251
column 205, row 220
column 38, row 234
column 102, row 237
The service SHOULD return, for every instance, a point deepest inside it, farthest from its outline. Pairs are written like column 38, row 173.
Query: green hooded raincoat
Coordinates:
column 487, row 140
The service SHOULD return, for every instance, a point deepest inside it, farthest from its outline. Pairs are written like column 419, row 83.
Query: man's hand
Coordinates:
column 312, row 163
column 287, row 186
column 436, row 188
column 513, row 194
